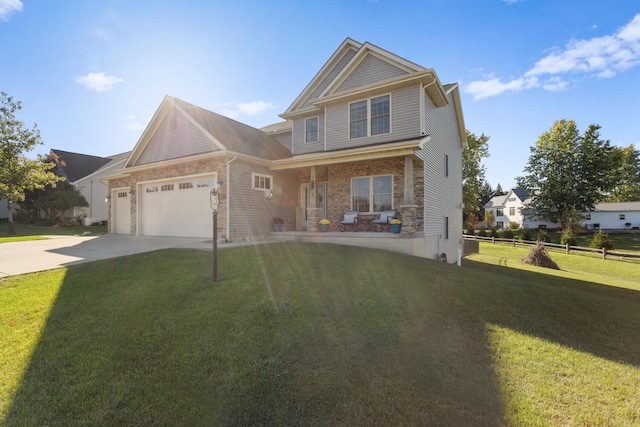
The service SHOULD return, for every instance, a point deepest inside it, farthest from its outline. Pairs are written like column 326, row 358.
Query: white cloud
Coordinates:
column 7, row 7
column 510, row 2
column 234, row 109
column 133, row 124
column 602, row 57
column 254, row 108
column 99, row 82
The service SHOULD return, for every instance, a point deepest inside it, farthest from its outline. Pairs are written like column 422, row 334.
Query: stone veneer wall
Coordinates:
column 218, row 165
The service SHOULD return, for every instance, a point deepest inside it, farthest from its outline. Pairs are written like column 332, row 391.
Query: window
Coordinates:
column 122, row 194
column 311, row 130
column 587, row 216
column 499, row 224
column 370, row 117
column 512, row 211
column 204, row 183
column 446, row 227
column 512, row 199
column 166, row 187
column 622, row 216
column 185, row 185
column 372, row 193
column 499, row 211
column 446, row 165
column 261, row 182
column 151, row 189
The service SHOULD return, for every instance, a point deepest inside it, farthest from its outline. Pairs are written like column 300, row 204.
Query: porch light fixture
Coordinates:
column 268, row 194
column 214, row 201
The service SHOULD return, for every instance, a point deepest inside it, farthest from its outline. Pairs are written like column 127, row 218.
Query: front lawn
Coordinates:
column 312, row 334
column 32, row 232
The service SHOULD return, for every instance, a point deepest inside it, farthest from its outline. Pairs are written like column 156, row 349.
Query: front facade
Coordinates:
column 370, row 132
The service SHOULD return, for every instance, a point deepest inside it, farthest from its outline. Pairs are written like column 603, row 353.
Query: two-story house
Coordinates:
column 507, row 208
column 370, row 132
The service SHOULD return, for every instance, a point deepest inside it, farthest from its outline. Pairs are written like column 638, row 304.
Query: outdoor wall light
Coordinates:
column 268, row 194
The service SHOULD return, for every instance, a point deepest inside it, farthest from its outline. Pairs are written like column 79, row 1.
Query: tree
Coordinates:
column 499, row 191
column 628, row 186
column 486, row 194
column 490, row 218
column 473, row 172
column 17, row 172
column 53, row 201
column 569, row 172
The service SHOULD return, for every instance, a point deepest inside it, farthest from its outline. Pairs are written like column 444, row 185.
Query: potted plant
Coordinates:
column 395, row 225
column 277, row 223
column 324, row 225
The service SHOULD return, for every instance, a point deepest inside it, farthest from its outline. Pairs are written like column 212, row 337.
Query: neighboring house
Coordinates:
column 507, row 208
column 370, row 132
column 512, row 207
column 84, row 172
column 613, row 216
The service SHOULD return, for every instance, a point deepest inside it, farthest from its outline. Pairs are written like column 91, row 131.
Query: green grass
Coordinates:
column 312, row 334
column 27, row 232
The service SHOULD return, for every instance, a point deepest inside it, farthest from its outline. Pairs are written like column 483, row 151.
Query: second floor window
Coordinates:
column 370, row 117
column 499, row 211
column 512, row 211
column 311, row 130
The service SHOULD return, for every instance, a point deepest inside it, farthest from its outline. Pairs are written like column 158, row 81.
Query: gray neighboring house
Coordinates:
column 370, row 132
column 84, row 172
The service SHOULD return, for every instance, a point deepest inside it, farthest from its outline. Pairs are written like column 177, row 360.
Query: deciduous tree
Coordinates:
column 569, row 172
column 473, row 172
column 628, row 186
column 17, row 172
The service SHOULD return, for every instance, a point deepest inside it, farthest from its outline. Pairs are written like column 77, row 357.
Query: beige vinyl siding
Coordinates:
column 405, row 121
column 300, row 146
column 173, row 142
column 442, row 195
column 329, row 78
column 371, row 70
column 250, row 214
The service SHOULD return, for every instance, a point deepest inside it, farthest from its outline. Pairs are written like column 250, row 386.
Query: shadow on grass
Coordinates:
column 303, row 334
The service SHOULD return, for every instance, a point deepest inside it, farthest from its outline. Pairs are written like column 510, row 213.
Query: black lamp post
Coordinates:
column 215, row 203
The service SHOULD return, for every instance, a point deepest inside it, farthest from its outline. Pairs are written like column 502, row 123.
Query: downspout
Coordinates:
column 229, row 197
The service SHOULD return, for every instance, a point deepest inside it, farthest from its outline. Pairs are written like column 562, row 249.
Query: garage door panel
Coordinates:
column 177, row 208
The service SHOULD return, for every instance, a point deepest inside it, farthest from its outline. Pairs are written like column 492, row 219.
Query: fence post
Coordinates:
column 604, row 253
column 566, row 248
column 493, row 239
column 514, row 242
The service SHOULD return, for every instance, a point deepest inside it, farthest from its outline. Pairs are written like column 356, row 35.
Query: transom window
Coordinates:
column 372, row 193
column 151, row 189
column 185, row 185
column 261, row 182
column 370, row 117
column 203, row 183
column 166, row 187
column 311, row 130
column 122, row 194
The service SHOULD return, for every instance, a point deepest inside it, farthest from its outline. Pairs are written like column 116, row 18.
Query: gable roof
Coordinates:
column 496, row 201
column 216, row 133
column 76, row 165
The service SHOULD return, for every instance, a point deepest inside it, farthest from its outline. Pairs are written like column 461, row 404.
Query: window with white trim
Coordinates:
column 499, row 211
column 372, row 193
column 261, row 182
column 370, row 117
column 512, row 210
column 311, row 130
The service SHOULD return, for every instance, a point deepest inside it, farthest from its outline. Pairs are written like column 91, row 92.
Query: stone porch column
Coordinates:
column 313, row 216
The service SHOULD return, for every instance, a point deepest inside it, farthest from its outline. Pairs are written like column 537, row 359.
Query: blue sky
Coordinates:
column 92, row 73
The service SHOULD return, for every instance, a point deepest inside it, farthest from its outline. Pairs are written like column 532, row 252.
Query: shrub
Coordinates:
column 508, row 234
column 494, row 233
column 514, row 225
column 482, row 232
column 526, row 234
column 601, row 240
column 568, row 237
column 470, row 230
column 543, row 236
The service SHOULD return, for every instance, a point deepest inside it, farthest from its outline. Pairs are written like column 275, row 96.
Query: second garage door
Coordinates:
column 176, row 207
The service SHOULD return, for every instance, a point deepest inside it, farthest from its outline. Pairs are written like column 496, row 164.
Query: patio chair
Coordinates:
column 384, row 220
column 349, row 218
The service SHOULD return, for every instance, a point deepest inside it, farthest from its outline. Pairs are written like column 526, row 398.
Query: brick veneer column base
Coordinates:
column 409, row 216
column 313, row 216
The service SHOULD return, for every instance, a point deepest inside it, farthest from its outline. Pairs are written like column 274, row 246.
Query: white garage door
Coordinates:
column 122, row 211
column 177, row 207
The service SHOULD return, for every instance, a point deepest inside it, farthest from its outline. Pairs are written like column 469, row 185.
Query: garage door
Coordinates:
column 122, row 211
column 177, row 207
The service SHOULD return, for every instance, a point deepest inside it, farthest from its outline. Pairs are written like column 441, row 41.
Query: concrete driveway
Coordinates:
column 61, row 251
